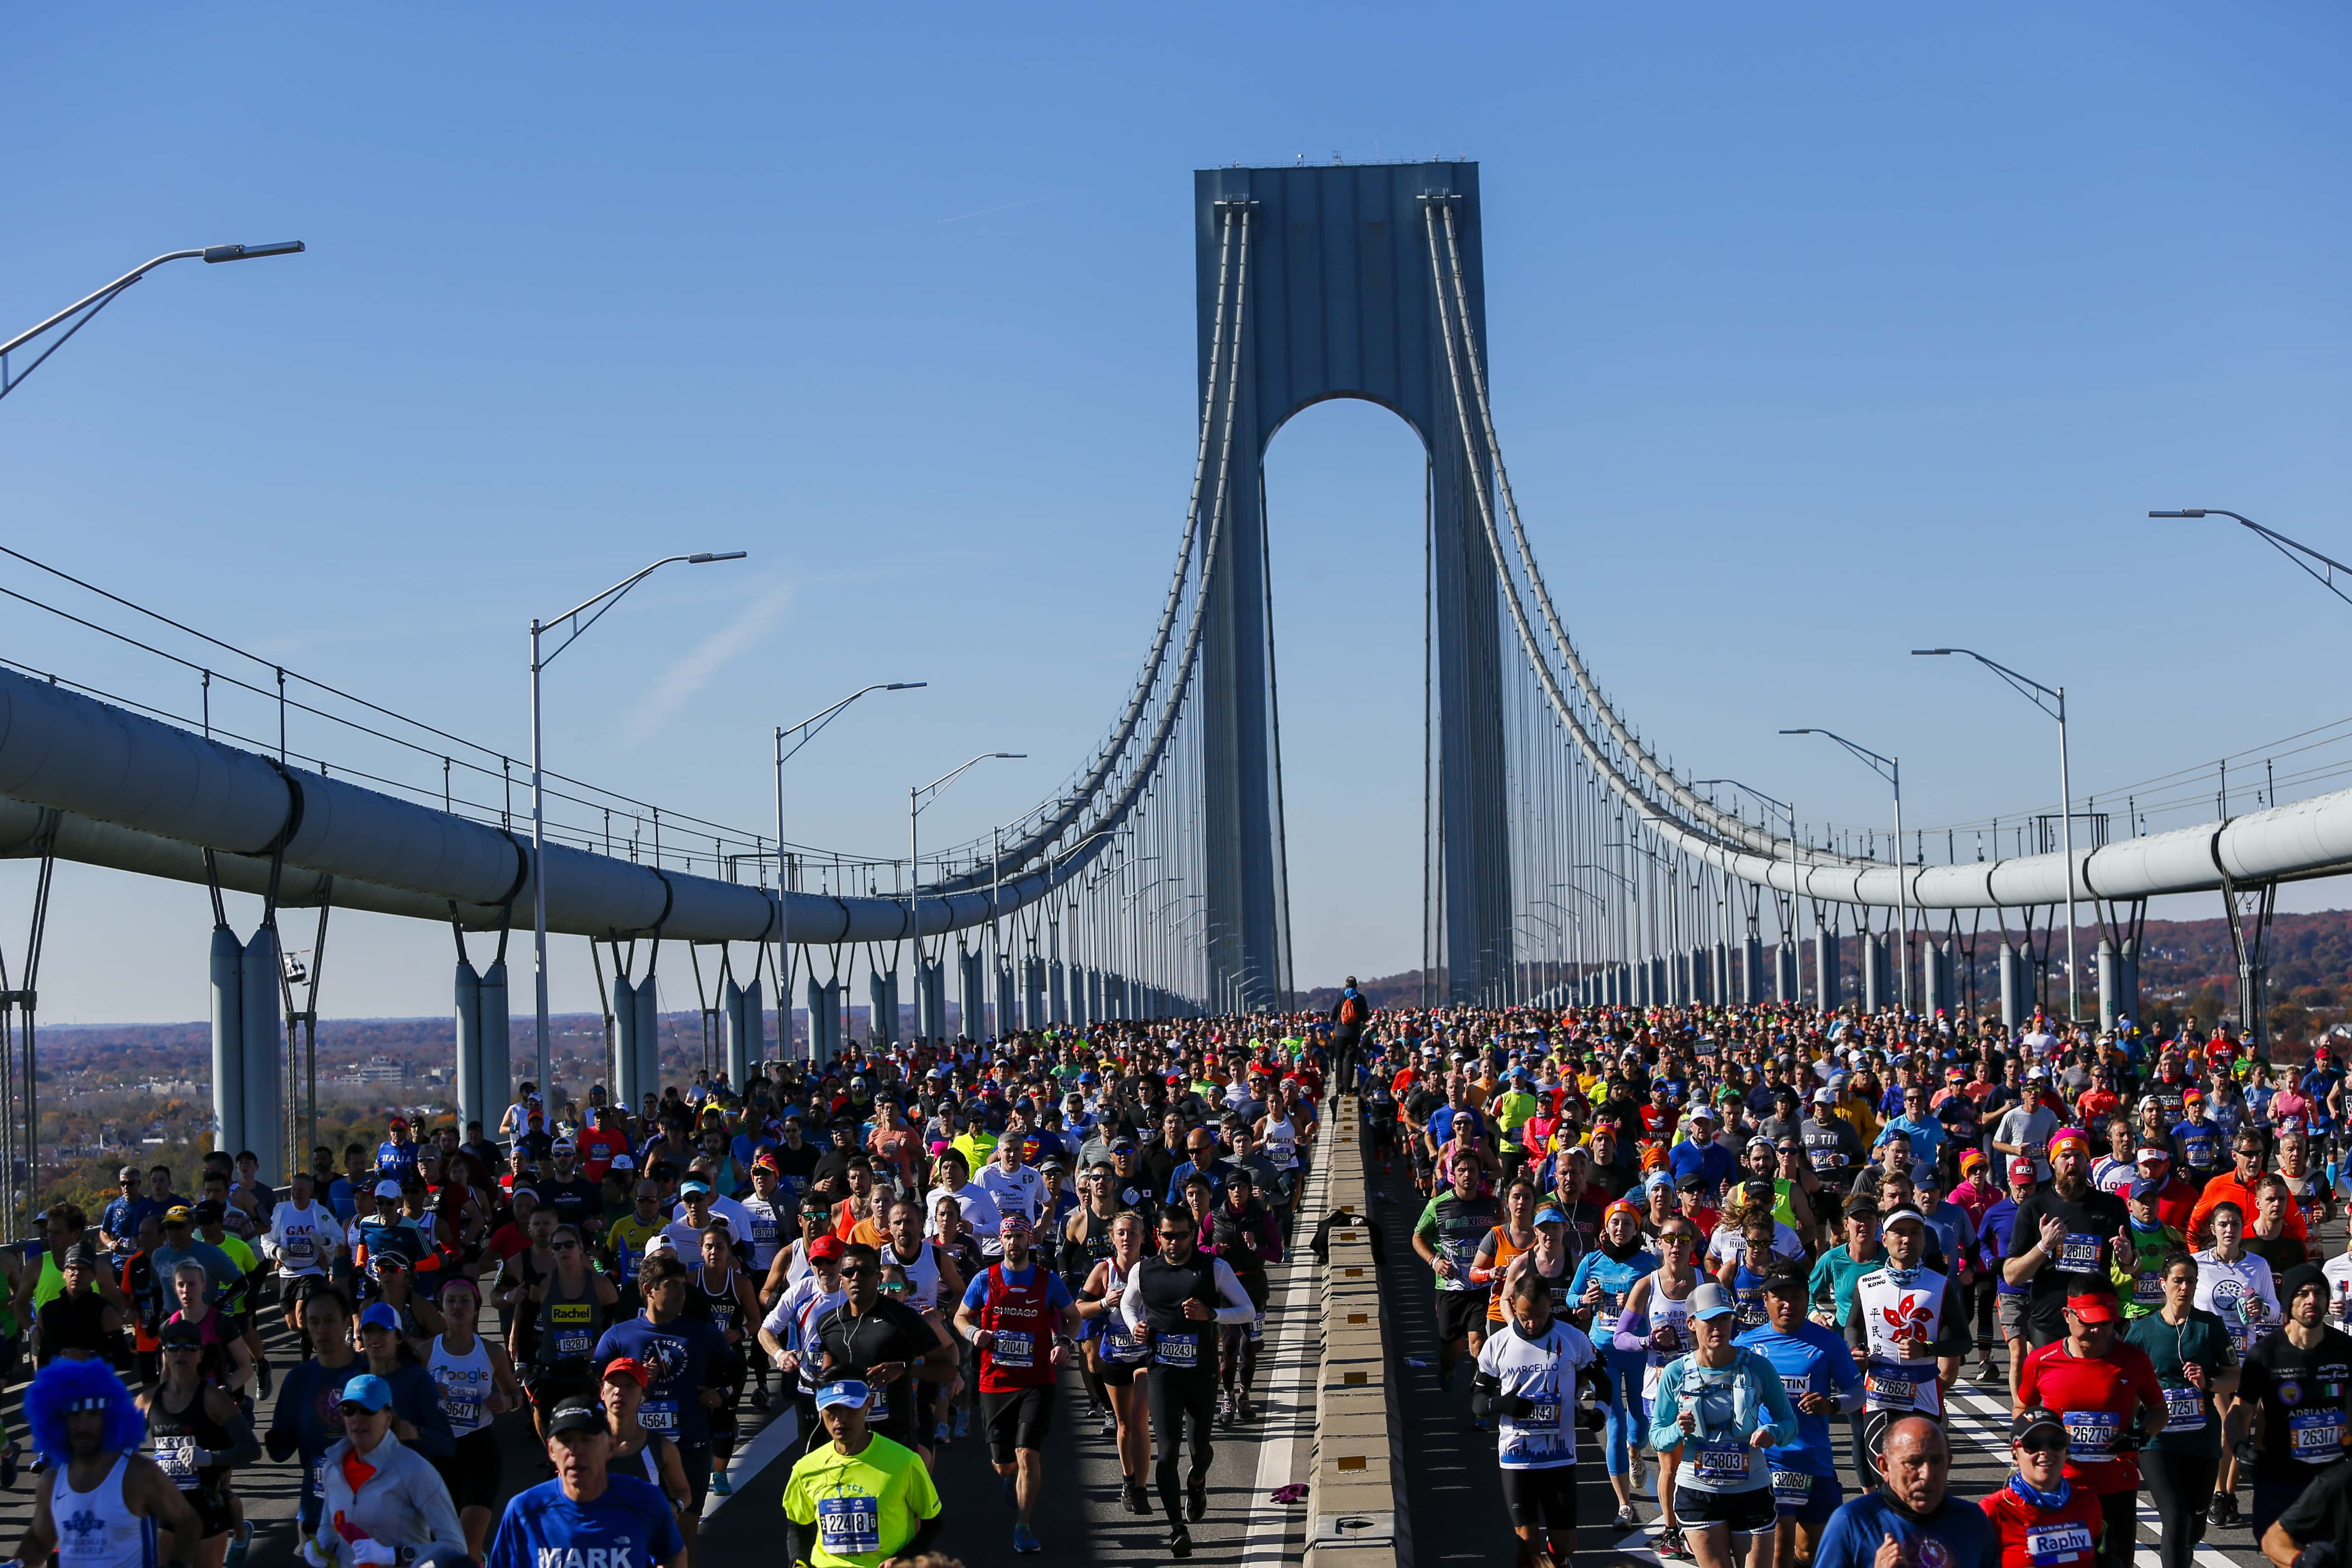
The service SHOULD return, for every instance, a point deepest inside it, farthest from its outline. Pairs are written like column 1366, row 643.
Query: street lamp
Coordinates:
column 598, row 604
column 2051, row 701
column 1891, row 769
column 90, row 305
column 808, row 730
column 2303, row 555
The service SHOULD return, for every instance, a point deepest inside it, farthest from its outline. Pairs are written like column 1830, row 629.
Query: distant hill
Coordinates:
column 2186, row 966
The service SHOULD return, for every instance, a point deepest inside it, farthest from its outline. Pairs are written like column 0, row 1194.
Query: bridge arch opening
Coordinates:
column 1346, row 486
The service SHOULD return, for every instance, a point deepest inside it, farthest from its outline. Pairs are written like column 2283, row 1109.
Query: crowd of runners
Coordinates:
column 1756, row 1252
column 900, row 1251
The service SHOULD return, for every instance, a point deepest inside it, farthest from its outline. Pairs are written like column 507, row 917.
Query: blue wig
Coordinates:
column 66, row 1385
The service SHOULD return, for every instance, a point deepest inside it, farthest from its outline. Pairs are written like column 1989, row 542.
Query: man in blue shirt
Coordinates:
column 691, row 1362
column 586, row 1514
column 119, row 1224
column 1914, row 1126
column 1913, row 1507
column 1817, row 1369
column 1699, row 1155
column 396, row 1156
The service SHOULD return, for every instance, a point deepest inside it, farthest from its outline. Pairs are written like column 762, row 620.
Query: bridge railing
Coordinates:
column 1358, row 1487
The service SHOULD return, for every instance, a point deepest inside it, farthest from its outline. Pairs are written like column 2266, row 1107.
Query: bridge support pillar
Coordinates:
column 882, row 1005
column 1752, row 972
column 628, row 1087
column 1878, row 982
column 228, row 1040
column 1827, row 980
column 498, row 1045
column 2128, row 1004
column 2014, row 995
column 262, row 1069
column 2111, row 983
column 470, row 1099
column 1784, row 973
column 1935, row 989
column 1032, row 992
column 825, row 1020
column 972, row 995
column 932, row 998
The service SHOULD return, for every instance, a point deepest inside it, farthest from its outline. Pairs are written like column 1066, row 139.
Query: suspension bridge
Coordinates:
column 1563, row 857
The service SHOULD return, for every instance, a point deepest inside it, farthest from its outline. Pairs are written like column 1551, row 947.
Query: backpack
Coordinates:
column 1351, row 1009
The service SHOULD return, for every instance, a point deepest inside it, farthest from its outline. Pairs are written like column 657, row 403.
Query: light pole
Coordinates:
column 90, row 305
column 808, row 730
column 598, row 604
column 1891, row 769
column 920, row 797
column 2051, row 700
column 2303, row 555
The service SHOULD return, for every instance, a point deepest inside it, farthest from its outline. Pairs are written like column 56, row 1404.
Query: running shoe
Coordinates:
column 1110, row 1423
column 1131, row 1498
column 939, row 1436
column 1987, row 1371
column 2225, row 1509
column 719, row 1485
column 1180, row 1542
column 1196, row 1495
column 1671, row 1544
column 1242, row 1409
column 962, row 1422
column 759, row 1399
column 267, row 1381
column 1024, row 1540
column 1626, row 1519
column 238, row 1545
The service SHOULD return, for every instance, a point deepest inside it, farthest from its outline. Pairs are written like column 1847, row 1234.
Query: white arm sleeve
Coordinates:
column 1238, row 1307
column 1130, row 1306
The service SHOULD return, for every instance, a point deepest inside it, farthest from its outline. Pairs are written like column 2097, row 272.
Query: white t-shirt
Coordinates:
column 2338, row 1271
column 690, row 1240
column 2242, row 1295
column 1021, row 1191
column 1541, row 1370
column 302, row 1238
column 979, row 1212
column 1729, row 1246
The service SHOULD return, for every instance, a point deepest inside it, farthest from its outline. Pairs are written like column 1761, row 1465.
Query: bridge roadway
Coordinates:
column 1452, row 1494
column 1453, row 1490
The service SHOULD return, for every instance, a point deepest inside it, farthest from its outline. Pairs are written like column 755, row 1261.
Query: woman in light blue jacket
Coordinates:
column 382, row 1502
column 1720, row 1407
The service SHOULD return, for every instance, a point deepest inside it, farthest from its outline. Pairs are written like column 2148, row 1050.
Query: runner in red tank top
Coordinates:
column 1020, row 1315
column 2107, row 1396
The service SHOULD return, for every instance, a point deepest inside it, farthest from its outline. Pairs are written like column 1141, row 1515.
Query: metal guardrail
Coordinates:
column 1357, row 1486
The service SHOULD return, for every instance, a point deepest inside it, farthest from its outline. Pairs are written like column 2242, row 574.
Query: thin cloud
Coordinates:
column 679, row 684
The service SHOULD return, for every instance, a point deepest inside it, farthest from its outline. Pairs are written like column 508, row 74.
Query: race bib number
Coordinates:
column 1536, row 1435
column 2184, row 1409
column 2079, row 1254
column 1727, row 1463
column 877, row 1408
column 846, row 1525
column 2091, row 1435
column 2050, row 1544
column 1014, row 1348
column 2147, row 1290
column 1892, row 1393
column 660, row 1416
column 1177, row 1349
column 2316, row 1436
column 172, row 1457
column 1792, row 1487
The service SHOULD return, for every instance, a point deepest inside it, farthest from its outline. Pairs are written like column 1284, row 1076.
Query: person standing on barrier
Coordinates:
column 1173, row 1305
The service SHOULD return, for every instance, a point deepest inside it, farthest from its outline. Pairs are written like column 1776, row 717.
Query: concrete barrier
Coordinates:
column 1358, row 1490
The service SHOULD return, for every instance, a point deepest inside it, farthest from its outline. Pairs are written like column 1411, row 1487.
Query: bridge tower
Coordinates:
column 1340, row 302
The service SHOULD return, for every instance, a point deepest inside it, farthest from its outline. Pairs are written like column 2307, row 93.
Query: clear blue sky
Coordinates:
column 1819, row 332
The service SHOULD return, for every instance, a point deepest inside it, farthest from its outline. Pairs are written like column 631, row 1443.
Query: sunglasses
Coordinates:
column 564, row 1247
column 857, row 1271
column 2044, row 1446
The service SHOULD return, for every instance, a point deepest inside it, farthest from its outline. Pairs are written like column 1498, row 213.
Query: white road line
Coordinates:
column 766, row 1447
column 1290, row 1403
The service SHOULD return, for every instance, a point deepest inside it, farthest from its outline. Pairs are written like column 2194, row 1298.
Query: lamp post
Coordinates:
column 1891, row 769
column 90, row 305
column 921, row 797
column 593, row 608
column 2051, row 701
column 2303, row 555
column 808, row 730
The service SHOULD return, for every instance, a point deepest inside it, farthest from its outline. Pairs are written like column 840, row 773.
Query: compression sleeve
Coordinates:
column 1628, row 1335
column 1238, row 1308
